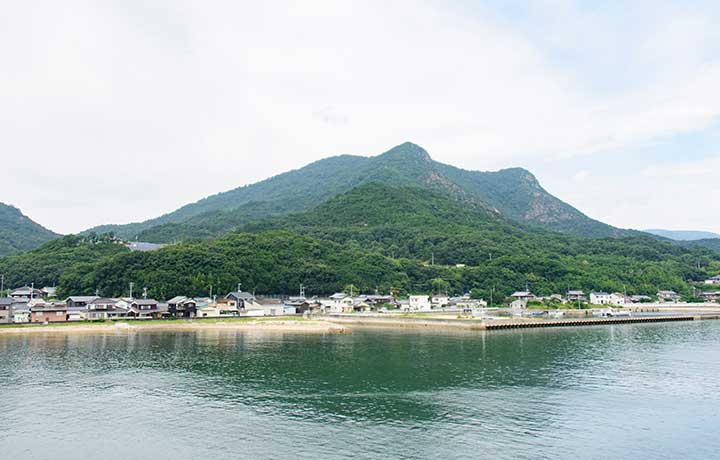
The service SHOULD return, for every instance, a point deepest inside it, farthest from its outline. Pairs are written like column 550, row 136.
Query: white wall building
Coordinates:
column 420, row 302
column 600, row 298
column 715, row 280
column 617, row 299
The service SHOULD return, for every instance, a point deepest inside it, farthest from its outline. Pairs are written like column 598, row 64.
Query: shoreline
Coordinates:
column 338, row 324
column 292, row 325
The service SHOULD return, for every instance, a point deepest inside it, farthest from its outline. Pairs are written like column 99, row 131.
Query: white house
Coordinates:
column 617, row 299
column 715, row 280
column 440, row 301
column 668, row 296
column 600, row 298
column 338, row 303
column 420, row 302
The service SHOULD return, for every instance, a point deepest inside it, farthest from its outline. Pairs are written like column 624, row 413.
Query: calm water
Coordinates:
column 625, row 391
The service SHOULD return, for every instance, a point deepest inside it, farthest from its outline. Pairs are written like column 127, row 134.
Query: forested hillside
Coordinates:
column 403, row 238
column 513, row 193
column 710, row 243
column 45, row 265
column 19, row 233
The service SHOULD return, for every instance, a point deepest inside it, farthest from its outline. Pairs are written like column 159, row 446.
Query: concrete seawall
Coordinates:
column 478, row 324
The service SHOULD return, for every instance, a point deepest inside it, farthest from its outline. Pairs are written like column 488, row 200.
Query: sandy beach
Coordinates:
column 275, row 325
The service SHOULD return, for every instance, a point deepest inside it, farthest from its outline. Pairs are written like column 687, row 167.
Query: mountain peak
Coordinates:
column 407, row 151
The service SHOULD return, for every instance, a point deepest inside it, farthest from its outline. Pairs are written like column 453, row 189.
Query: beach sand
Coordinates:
column 279, row 325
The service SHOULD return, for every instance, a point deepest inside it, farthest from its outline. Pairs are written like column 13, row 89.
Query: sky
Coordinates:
column 120, row 111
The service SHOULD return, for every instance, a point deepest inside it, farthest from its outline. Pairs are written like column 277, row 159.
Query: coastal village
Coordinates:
column 28, row 304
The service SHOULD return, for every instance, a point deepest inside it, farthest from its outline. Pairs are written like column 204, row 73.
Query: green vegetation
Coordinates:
column 18, row 233
column 46, row 265
column 710, row 243
column 513, row 193
column 399, row 239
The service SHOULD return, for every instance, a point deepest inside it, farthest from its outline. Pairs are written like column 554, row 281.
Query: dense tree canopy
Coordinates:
column 375, row 237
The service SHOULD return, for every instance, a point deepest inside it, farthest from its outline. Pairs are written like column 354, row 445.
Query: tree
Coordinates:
column 439, row 285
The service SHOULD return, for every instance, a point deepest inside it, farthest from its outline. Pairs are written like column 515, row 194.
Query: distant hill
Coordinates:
column 19, row 233
column 683, row 235
column 513, row 193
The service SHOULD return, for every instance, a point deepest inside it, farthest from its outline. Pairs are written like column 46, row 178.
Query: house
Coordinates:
column 270, row 307
column 668, row 297
column 618, row 299
column 467, row 302
column 518, row 304
column 521, row 299
column 26, row 292
column 376, row 300
column 713, row 296
column 44, row 312
column 359, row 304
column 557, row 298
column 182, row 307
column 715, row 280
column 105, row 308
column 6, row 310
column 599, row 298
column 640, row 298
column 419, row 302
column 439, row 301
column 299, row 303
column 20, row 312
column 523, row 295
column 49, row 292
column 338, row 303
column 403, row 304
column 242, row 299
column 145, row 309
column 576, row 296
column 223, row 308
column 80, row 302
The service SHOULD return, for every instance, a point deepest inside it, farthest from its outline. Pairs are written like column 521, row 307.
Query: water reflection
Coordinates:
column 394, row 390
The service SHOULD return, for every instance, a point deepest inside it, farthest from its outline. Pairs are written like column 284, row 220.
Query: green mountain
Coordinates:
column 375, row 236
column 514, row 193
column 19, row 233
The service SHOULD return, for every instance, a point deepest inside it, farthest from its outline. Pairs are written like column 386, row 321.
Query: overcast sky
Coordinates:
column 119, row 111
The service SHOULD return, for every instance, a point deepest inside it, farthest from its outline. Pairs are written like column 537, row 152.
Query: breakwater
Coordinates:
column 494, row 324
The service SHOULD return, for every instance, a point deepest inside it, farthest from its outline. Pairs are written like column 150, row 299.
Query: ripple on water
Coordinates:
column 625, row 391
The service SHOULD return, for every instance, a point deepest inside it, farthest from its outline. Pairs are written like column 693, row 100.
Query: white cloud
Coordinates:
column 120, row 111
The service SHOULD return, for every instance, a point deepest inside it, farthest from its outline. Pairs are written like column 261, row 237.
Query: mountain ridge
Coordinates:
column 683, row 235
column 514, row 192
